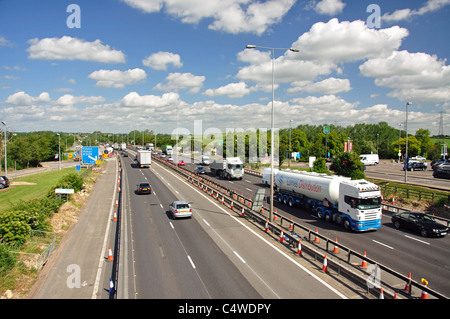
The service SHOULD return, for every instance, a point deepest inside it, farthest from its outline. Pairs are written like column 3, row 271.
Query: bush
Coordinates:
column 348, row 164
column 320, row 166
column 71, row 181
column 15, row 227
column 44, row 207
column 7, row 259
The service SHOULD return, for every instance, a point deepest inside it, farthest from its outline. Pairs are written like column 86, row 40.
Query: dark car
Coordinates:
column 425, row 224
column 143, row 188
column 200, row 170
column 438, row 163
column 416, row 166
column 442, row 172
column 4, row 182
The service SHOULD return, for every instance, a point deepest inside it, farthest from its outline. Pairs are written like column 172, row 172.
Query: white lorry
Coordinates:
column 266, row 176
column 369, row 159
column 230, row 168
column 355, row 204
column 144, row 158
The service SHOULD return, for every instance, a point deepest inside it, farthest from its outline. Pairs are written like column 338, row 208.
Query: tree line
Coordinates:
column 29, row 149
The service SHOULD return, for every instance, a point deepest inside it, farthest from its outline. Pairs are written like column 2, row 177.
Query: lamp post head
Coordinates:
column 250, row 46
column 408, row 103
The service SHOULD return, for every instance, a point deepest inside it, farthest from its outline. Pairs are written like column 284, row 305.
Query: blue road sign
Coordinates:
column 89, row 155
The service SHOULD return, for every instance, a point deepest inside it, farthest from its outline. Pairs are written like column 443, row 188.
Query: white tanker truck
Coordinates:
column 356, row 204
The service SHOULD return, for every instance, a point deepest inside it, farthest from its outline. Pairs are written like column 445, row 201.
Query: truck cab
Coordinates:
column 360, row 205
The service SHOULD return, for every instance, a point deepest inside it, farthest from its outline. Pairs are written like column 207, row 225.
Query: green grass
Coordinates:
column 43, row 182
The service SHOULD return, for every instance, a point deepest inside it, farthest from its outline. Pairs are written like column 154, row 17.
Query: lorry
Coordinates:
column 369, row 159
column 266, row 176
column 123, row 146
column 144, row 158
column 167, row 149
column 354, row 204
column 230, row 168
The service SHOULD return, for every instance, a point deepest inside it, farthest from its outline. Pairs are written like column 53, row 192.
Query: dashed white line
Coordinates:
column 161, row 206
column 424, row 242
column 242, row 259
column 206, row 222
column 171, row 225
column 382, row 244
column 192, row 263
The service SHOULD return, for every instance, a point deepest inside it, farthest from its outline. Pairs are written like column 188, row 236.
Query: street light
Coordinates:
column 6, row 161
column 59, row 150
column 406, row 152
column 252, row 46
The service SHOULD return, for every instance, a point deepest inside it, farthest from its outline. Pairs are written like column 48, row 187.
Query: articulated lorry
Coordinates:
column 230, row 168
column 144, row 158
column 355, row 204
column 167, row 149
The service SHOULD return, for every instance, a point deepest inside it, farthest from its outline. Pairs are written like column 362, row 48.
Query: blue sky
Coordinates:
column 132, row 63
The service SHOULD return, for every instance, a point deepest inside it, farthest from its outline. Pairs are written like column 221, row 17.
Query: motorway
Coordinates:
column 214, row 254
column 400, row 250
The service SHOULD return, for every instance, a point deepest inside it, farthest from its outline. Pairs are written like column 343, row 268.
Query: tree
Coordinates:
column 426, row 145
column 348, row 164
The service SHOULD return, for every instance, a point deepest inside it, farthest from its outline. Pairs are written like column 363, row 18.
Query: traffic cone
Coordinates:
column 267, row 225
column 381, row 294
column 393, row 200
column 316, row 239
column 115, row 216
column 364, row 262
column 299, row 249
column 336, row 249
column 424, row 294
column 110, row 256
column 325, row 264
column 242, row 212
column 408, row 283
column 291, row 226
column 281, row 237
column 232, row 205
column 395, row 295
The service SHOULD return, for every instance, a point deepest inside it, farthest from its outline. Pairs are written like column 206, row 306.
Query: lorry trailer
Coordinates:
column 144, row 158
column 230, row 168
column 354, row 204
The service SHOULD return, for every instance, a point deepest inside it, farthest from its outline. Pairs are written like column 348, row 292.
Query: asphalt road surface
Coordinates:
column 214, row 254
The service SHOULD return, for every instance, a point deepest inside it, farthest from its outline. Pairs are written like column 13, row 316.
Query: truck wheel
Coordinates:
column 290, row 202
column 319, row 213
column 347, row 224
column 328, row 217
column 285, row 200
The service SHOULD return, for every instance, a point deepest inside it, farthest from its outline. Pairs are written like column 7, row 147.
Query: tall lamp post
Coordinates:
column 272, row 50
column 59, row 150
column 6, row 161
column 406, row 152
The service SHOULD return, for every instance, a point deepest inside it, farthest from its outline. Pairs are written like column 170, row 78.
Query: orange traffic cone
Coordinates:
column 336, row 249
column 395, row 295
column 291, row 226
column 364, row 262
column 408, row 283
column 115, row 216
column 243, row 213
column 393, row 200
column 316, row 239
column 299, row 249
column 267, row 225
column 232, row 205
column 424, row 294
column 281, row 237
column 325, row 264
column 110, row 256
column 381, row 294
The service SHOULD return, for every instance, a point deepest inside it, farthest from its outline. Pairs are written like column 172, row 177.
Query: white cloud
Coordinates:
column 414, row 76
column 232, row 90
column 161, row 60
column 345, row 41
column 24, row 99
column 402, row 14
column 68, row 48
column 133, row 99
column 232, row 16
column 182, row 81
column 327, row 86
column 116, row 78
column 69, row 99
column 329, row 7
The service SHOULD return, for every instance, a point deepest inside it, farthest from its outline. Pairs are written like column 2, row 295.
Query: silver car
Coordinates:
column 180, row 209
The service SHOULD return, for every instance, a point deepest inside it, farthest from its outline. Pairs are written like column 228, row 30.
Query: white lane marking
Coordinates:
column 382, row 244
column 161, row 206
column 171, row 225
column 206, row 222
column 424, row 242
column 192, row 263
column 242, row 259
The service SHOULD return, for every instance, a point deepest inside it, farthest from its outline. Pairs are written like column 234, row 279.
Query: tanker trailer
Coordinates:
column 355, row 204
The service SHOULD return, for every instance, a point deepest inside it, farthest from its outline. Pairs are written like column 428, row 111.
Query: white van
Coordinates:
column 266, row 176
column 205, row 160
column 369, row 159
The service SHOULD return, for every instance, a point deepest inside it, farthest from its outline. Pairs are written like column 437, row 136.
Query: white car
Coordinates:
column 180, row 209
